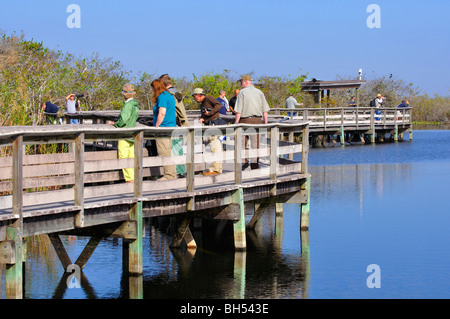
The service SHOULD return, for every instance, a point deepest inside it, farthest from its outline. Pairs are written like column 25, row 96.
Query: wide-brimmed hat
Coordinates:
column 246, row 78
column 378, row 95
column 198, row 91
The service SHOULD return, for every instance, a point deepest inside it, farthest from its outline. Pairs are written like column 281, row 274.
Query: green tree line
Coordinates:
column 31, row 74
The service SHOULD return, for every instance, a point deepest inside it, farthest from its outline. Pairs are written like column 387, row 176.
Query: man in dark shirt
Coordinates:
column 233, row 101
column 49, row 107
column 209, row 107
column 50, row 111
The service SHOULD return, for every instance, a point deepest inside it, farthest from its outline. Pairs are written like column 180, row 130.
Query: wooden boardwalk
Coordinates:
column 373, row 123
column 77, row 189
column 76, row 186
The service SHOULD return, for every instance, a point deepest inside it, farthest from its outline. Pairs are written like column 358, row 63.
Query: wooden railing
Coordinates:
column 73, row 175
column 351, row 116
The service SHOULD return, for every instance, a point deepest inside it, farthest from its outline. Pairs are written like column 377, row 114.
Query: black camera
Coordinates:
column 206, row 109
column 79, row 96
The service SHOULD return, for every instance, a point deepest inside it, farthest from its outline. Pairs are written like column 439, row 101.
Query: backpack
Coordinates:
column 182, row 119
column 372, row 103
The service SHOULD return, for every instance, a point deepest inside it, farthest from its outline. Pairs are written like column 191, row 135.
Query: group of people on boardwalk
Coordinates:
column 249, row 106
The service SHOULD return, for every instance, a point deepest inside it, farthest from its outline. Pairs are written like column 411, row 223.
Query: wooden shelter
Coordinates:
column 318, row 88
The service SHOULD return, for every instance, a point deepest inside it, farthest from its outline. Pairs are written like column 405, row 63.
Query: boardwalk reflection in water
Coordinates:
column 268, row 269
column 276, row 263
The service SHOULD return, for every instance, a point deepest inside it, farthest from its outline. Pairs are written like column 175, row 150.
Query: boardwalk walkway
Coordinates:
column 77, row 189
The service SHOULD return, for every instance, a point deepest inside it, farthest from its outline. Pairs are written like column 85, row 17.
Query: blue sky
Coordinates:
column 278, row 38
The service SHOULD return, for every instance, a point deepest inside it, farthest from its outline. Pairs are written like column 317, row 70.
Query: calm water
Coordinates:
column 385, row 205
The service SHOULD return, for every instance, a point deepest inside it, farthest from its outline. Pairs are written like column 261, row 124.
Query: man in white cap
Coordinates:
column 210, row 107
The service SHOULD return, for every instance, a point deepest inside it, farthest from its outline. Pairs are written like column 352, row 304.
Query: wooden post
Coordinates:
column 357, row 97
column 79, row 179
column 342, row 136
column 274, row 132
column 135, row 265
column 138, row 163
column 372, row 125
column 240, row 242
column 14, row 271
column 239, row 271
column 304, row 218
column 305, row 149
column 190, row 168
column 238, row 156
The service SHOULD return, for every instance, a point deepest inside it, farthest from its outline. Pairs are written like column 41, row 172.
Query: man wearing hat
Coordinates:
column 128, row 117
column 378, row 103
column 251, row 106
column 210, row 107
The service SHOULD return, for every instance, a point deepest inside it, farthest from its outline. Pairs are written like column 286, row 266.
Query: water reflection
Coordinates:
column 215, row 270
column 350, row 184
column 275, row 265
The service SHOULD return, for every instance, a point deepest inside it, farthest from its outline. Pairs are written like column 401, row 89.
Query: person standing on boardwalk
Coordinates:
column 291, row 103
column 181, row 117
column 251, row 106
column 72, row 106
column 223, row 100
column 378, row 101
column 128, row 117
column 210, row 115
column 164, row 115
column 233, row 101
column 352, row 102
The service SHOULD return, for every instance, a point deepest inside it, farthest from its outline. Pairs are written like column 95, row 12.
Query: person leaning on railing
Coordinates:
column 128, row 117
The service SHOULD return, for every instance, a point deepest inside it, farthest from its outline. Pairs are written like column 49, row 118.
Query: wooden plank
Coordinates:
column 7, row 252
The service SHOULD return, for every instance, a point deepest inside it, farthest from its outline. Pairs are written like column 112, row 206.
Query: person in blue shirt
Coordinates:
column 164, row 115
column 223, row 100
column 405, row 103
column 51, row 112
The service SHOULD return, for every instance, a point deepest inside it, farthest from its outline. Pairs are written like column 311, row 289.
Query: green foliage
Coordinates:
column 31, row 74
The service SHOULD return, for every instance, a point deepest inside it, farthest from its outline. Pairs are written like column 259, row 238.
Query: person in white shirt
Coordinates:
column 291, row 103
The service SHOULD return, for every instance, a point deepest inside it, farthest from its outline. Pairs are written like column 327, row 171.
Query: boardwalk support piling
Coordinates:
column 239, row 226
column 14, row 233
column 304, row 219
column 135, row 260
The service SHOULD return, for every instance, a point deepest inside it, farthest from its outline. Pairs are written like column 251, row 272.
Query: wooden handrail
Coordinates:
column 82, row 169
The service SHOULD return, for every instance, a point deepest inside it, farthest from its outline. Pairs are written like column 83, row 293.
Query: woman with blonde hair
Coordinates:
column 164, row 115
